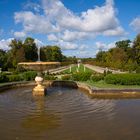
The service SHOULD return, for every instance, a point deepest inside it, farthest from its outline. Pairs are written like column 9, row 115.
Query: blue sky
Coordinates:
column 79, row 27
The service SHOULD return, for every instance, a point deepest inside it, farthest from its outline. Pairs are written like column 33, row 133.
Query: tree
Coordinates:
column 124, row 44
column 51, row 53
column 2, row 58
column 136, row 50
column 16, row 54
column 100, row 56
column 30, row 49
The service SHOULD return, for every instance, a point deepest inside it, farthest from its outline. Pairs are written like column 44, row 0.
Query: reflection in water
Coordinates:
column 40, row 120
column 66, row 114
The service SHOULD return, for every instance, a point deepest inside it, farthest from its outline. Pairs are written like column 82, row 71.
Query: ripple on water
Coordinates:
column 66, row 114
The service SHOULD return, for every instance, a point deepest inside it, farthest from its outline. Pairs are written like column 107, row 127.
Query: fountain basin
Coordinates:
column 39, row 67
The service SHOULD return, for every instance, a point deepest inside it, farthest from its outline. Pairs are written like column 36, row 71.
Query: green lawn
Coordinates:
column 102, row 84
column 81, row 69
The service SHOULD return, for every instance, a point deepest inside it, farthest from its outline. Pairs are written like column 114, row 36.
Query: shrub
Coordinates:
column 12, row 78
column 107, row 72
column 29, row 75
column 66, row 77
column 96, row 78
column 3, row 78
column 138, row 69
column 123, row 79
column 50, row 77
column 81, row 76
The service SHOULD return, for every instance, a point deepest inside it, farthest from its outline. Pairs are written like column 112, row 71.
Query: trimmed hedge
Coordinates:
column 97, row 78
column 50, row 77
column 81, row 76
column 123, row 79
column 29, row 75
column 3, row 78
column 12, row 78
column 66, row 77
column 138, row 70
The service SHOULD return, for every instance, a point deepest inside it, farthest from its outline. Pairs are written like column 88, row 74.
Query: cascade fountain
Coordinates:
column 39, row 67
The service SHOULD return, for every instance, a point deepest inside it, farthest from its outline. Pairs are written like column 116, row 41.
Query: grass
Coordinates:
column 74, row 69
column 102, row 84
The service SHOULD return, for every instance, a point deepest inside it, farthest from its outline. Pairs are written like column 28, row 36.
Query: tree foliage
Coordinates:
column 20, row 51
column 124, row 56
column 51, row 53
column 2, row 58
column 136, row 50
column 30, row 49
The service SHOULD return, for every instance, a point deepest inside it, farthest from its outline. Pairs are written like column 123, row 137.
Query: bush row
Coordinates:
column 26, row 76
column 123, row 79
column 83, row 76
column 50, row 77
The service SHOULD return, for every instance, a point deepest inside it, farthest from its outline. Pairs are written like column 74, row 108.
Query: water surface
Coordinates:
column 66, row 114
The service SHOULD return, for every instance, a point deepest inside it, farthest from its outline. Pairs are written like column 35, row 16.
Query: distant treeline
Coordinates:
column 124, row 56
column 26, row 51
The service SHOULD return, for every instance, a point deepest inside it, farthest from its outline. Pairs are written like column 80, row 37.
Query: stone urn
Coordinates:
column 39, row 89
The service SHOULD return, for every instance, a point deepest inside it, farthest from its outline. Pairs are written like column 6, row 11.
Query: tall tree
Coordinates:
column 2, row 58
column 30, row 49
column 124, row 44
column 51, row 53
column 16, row 54
column 136, row 49
column 100, row 56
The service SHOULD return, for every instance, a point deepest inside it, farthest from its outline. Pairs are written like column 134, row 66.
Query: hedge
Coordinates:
column 97, row 78
column 3, row 78
column 29, row 75
column 81, row 76
column 123, row 79
column 16, row 77
column 50, row 77
column 66, row 77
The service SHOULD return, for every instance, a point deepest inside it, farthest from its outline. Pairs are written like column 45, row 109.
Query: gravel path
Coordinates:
column 100, row 69
column 60, row 69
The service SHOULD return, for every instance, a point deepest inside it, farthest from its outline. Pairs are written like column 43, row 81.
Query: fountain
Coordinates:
column 40, row 67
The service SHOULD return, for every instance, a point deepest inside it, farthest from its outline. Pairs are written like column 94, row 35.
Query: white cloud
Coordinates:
column 100, row 45
column 52, row 37
column 67, row 45
column 111, row 45
column 4, row 44
column 57, row 17
column 115, row 32
column 67, row 28
column 19, row 34
column 86, row 53
column 96, row 20
column 136, row 24
column 70, row 36
column 35, row 23
column 103, row 46
column 33, row 6
column 74, row 35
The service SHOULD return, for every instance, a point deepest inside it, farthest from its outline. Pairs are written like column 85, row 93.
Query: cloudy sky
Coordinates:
column 79, row 27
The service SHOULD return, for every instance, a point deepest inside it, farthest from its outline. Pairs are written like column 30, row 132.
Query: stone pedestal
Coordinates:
column 39, row 90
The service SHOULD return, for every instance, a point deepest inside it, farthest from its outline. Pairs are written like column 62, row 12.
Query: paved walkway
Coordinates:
column 94, row 68
column 100, row 69
column 58, row 70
